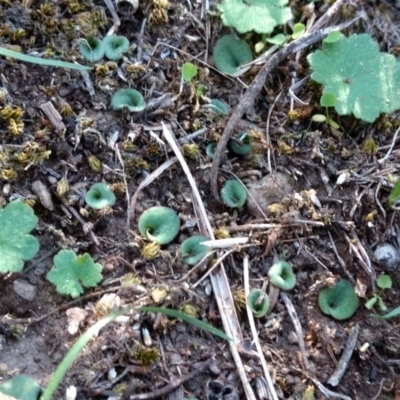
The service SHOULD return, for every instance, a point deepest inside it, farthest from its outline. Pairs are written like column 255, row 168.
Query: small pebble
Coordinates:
column 292, row 337
column 387, row 256
column 24, row 289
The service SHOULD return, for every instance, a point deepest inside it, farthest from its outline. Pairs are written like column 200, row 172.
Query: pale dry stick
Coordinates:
column 329, row 393
column 365, row 258
column 371, row 274
column 316, row 259
column 219, row 281
column 257, row 84
column 299, row 331
column 378, row 188
column 250, row 227
column 268, row 138
column 149, row 179
column 340, row 259
column 121, row 161
column 54, row 116
column 252, row 324
column 213, row 268
column 114, row 15
column 198, row 265
column 382, row 160
column 345, row 358
column 140, row 41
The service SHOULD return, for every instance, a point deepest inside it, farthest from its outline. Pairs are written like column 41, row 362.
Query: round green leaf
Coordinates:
column 129, row 98
column 230, row 53
column 192, row 250
column 328, row 100
column 159, row 224
column 384, row 282
column 241, row 149
column 278, row 39
column 340, row 302
column 210, row 150
column 333, row 37
column 92, row 49
column 258, row 306
column 233, row 193
column 298, row 30
column 189, row 71
column 219, row 107
column 115, row 46
column 282, row 276
column 100, row 196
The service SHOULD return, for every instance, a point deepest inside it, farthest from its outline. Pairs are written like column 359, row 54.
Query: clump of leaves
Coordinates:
column 282, row 276
column 159, row 224
column 258, row 302
column 340, row 302
column 231, row 53
column 17, row 220
column 383, row 282
column 233, row 193
column 100, row 196
column 192, row 250
column 261, row 16
column 364, row 81
column 71, row 273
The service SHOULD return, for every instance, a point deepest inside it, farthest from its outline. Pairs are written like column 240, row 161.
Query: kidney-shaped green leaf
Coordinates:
column 340, row 302
column 21, row 387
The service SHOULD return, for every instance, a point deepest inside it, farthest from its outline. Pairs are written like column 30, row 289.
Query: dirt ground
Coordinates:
column 325, row 230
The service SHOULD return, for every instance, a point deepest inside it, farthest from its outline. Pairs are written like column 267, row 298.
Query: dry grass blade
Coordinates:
column 154, row 175
column 252, row 324
column 219, row 281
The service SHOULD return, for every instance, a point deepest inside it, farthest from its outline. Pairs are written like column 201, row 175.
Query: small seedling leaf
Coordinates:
column 364, row 80
column 189, row 71
column 278, row 39
column 298, row 30
column 382, row 305
column 333, row 37
column 258, row 303
column 384, row 282
column 261, row 16
column 71, row 273
column 370, row 303
column 328, row 100
column 318, row 118
column 391, row 314
column 17, row 220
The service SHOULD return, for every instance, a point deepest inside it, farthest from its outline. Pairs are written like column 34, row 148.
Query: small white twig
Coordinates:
column 382, row 160
column 297, row 327
column 254, row 330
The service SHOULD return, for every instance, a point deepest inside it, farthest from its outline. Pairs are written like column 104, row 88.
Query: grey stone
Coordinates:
column 24, row 289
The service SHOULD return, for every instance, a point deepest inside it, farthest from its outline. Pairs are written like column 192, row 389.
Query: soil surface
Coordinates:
column 327, row 217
